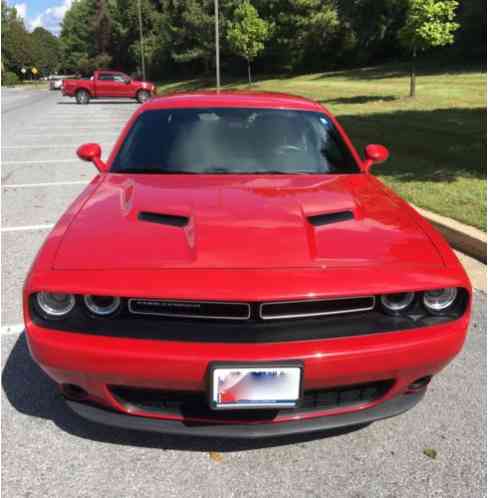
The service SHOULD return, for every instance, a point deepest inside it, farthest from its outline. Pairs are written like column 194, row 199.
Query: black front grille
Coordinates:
column 191, row 309
column 302, row 309
column 195, row 404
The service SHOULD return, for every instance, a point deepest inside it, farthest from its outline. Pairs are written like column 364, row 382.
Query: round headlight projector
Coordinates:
column 102, row 305
column 439, row 299
column 397, row 302
column 55, row 303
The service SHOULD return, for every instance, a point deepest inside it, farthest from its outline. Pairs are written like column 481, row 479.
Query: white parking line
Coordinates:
column 49, row 135
column 49, row 184
column 54, row 146
column 47, row 161
column 27, row 228
column 14, row 329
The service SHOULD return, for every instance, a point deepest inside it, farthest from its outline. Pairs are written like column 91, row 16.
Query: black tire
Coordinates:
column 82, row 97
column 142, row 96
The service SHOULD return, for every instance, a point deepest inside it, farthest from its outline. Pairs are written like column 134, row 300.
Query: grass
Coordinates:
column 437, row 141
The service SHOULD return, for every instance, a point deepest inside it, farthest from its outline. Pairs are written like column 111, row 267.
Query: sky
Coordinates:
column 45, row 13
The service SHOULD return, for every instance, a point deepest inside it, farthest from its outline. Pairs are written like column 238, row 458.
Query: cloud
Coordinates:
column 21, row 9
column 51, row 18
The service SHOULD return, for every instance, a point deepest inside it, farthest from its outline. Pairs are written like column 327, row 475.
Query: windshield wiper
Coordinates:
column 146, row 171
column 278, row 172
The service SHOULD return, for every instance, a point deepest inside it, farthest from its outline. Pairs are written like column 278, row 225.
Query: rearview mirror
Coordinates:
column 92, row 153
column 375, row 154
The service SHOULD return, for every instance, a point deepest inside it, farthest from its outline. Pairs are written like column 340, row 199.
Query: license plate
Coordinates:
column 242, row 387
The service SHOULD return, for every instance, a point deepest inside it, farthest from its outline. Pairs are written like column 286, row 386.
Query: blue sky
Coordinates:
column 45, row 13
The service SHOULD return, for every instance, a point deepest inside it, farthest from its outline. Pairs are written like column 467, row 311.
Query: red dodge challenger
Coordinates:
column 235, row 270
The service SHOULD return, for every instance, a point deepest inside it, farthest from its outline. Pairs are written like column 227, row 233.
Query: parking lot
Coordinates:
column 49, row 451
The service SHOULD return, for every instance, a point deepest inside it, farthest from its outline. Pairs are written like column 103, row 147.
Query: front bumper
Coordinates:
column 94, row 363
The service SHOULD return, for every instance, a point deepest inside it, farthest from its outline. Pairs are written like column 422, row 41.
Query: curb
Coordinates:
column 465, row 238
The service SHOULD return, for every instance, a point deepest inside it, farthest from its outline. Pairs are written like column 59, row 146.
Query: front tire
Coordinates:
column 142, row 96
column 82, row 97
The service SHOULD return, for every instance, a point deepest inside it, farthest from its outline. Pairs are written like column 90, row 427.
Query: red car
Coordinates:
column 235, row 270
column 107, row 84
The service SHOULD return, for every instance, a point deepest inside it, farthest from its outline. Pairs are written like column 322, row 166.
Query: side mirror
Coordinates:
column 375, row 154
column 127, row 81
column 92, row 153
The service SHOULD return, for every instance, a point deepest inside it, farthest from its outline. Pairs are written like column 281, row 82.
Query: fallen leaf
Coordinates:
column 431, row 453
column 216, row 456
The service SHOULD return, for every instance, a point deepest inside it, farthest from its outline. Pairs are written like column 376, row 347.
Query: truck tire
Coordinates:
column 82, row 97
column 142, row 96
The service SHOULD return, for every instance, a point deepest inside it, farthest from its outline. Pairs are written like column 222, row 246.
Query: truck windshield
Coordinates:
column 233, row 141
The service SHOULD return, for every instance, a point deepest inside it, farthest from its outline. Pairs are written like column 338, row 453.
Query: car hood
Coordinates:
column 242, row 221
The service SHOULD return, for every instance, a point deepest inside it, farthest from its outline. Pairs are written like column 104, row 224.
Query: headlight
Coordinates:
column 440, row 299
column 55, row 303
column 102, row 305
column 397, row 302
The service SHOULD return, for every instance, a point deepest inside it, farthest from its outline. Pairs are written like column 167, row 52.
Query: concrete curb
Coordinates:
column 466, row 239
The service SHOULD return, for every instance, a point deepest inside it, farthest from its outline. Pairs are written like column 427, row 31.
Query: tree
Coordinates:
column 246, row 33
column 46, row 50
column 78, row 38
column 191, row 27
column 429, row 23
column 471, row 38
column 103, row 27
column 16, row 41
column 372, row 26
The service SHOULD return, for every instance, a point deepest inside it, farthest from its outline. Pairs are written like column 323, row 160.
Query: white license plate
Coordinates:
column 255, row 387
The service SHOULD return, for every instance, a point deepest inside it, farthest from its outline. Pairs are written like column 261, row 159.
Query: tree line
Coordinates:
column 23, row 50
column 274, row 36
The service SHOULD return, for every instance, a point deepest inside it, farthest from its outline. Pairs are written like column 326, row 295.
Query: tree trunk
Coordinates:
column 249, row 71
column 413, row 75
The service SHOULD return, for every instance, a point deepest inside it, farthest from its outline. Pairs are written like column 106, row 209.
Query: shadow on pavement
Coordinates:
column 359, row 99
column 32, row 393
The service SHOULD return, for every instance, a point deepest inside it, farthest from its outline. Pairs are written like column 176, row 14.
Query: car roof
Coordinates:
column 265, row 100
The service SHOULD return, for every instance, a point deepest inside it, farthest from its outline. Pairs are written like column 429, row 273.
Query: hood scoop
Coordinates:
column 163, row 219
column 328, row 218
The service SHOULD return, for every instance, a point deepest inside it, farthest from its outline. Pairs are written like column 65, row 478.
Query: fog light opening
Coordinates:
column 419, row 384
column 74, row 392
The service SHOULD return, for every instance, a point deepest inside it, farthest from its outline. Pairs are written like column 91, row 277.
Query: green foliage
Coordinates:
column 372, row 27
column 472, row 32
column 17, row 50
column 78, row 40
column 300, row 35
column 46, row 51
column 191, row 27
column 247, row 32
column 86, row 66
column 10, row 79
column 429, row 23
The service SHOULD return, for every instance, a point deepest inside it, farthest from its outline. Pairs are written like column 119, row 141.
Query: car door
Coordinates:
column 123, row 86
column 105, row 85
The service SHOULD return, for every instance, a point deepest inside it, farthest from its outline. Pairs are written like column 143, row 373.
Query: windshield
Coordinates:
column 233, row 141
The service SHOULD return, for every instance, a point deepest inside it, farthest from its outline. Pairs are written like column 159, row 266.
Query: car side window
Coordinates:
column 119, row 78
column 106, row 77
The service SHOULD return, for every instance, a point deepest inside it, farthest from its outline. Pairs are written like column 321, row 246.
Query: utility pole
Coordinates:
column 143, row 64
column 217, row 44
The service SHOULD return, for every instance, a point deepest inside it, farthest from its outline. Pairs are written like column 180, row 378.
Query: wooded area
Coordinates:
column 277, row 36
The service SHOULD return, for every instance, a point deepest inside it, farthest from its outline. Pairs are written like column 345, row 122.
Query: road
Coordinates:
column 48, row 451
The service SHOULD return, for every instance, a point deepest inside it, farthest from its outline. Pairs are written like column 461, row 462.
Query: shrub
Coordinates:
column 10, row 79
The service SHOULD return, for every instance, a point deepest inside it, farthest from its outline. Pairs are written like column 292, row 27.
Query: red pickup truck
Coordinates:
column 108, row 84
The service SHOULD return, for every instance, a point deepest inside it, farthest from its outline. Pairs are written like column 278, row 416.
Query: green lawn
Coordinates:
column 437, row 141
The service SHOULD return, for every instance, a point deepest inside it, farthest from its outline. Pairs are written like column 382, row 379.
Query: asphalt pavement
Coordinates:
column 47, row 451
